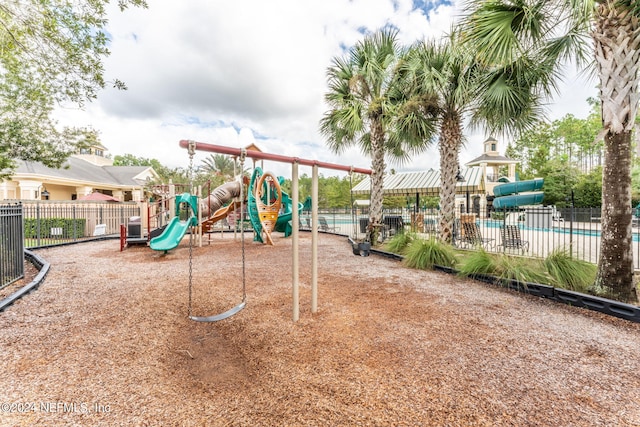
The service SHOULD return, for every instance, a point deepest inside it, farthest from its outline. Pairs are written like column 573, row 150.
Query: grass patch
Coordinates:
column 399, row 243
column 423, row 254
column 478, row 262
column 559, row 269
column 520, row 269
column 503, row 267
column 570, row 273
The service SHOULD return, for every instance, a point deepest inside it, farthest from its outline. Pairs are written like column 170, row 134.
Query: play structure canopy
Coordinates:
column 426, row 183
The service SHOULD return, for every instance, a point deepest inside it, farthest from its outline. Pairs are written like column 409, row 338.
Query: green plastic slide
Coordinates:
column 172, row 235
column 176, row 229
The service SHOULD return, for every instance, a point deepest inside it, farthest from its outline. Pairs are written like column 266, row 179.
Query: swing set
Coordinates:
column 243, row 303
column 193, row 146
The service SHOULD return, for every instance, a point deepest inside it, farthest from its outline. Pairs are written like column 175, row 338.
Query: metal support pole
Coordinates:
column 468, row 201
column 314, row 239
column 198, row 227
column 38, row 230
column 295, row 243
column 571, row 225
column 172, row 201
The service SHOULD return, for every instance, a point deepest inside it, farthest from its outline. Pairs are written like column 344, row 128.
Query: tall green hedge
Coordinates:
column 47, row 224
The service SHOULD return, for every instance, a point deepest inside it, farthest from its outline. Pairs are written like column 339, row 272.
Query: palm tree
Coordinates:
column 441, row 78
column 218, row 164
column 559, row 30
column 365, row 98
column 452, row 87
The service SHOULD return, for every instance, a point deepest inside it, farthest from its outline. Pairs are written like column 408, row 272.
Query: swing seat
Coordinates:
column 220, row 316
column 194, row 200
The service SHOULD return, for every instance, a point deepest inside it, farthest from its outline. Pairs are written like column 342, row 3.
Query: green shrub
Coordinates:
column 398, row 244
column 568, row 272
column 423, row 254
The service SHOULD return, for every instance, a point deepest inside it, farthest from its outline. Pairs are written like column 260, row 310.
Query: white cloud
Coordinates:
column 233, row 73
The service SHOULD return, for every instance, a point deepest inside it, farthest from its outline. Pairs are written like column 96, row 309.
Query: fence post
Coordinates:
column 11, row 244
column 571, row 226
column 38, row 223
column 75, row 225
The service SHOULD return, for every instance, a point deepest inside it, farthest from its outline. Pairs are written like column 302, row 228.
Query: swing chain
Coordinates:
column 353, row 213
column 243, row 155
column 192, row 152
column 190, row 269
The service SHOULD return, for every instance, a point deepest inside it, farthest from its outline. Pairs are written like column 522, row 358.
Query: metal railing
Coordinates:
column 534, row 231
column 11, row 244
column 48, row 223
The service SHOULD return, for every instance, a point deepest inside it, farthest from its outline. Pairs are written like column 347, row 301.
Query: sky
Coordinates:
column 252, row 71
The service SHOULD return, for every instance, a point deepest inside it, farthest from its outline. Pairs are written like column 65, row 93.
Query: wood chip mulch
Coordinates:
column 106, row 341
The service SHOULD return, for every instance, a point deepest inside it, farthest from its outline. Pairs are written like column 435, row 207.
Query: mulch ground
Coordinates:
column 106, row 340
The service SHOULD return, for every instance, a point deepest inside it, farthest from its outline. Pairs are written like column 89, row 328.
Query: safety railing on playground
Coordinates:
column 161, row 206
column 11, row 244
column 532, row 231
column 48, row 223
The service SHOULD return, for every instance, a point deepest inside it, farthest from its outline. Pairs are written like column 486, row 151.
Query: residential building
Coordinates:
column 82, row 174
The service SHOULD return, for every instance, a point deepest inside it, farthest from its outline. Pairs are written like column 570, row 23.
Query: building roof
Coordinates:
column 491, row 158
column 426, row 183
column 79, row 170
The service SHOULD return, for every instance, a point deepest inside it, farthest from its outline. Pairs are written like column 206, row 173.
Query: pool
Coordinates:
column 493, row 223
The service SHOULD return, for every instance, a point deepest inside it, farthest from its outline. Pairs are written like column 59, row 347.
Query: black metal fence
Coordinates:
column 48, row 223
column 11, row 244
column 534, row 231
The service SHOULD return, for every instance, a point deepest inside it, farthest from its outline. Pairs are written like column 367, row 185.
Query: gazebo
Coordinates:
column 491, row 161
column 425, row 183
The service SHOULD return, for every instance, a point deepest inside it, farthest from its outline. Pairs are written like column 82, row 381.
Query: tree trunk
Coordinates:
column 615, row 268
column 617, row 47
column 377, row 177
column 449, row 144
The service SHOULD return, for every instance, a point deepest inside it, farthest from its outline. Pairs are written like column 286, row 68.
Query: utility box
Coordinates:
column 134, row 228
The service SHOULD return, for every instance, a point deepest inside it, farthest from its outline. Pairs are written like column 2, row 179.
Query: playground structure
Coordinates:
column 265, row 215
column 270, row 208
column 210, row 208
column 295, row 162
